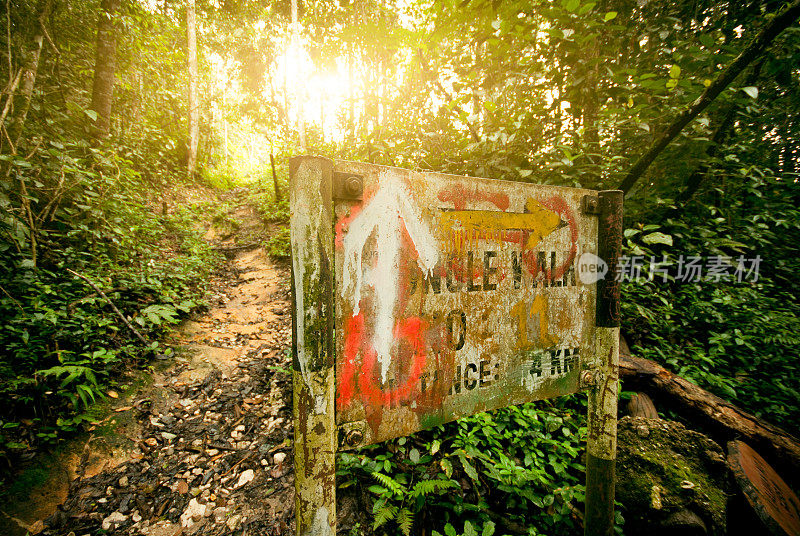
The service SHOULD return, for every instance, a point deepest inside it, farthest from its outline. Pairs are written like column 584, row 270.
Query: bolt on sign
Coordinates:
column 422, row 297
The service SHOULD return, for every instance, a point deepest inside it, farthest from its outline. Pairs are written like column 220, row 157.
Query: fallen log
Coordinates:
column 640, row 405
column 720, row 416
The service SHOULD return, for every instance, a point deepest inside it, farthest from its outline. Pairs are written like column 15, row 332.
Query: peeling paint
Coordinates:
column 315, row 455
column 382, row 217
column 463, row 227
column 321, row 525
column 313, row 376
column 306, row 216
column 602, row 422
column 440, row 307
column 489, row 246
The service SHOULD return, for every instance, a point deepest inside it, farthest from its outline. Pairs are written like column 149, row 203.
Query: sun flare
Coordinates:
column 314, row 96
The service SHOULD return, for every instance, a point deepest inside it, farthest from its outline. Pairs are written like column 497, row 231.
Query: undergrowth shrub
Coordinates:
column 64, row 344
column 738, row 339
column 277, row 212
column 279, row 245
column 272, row 211
column 513, row 470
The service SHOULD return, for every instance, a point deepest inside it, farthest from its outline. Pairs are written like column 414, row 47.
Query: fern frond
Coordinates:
column 389, row 483
column 405, row 519
column 426, row 487
column 384, row 514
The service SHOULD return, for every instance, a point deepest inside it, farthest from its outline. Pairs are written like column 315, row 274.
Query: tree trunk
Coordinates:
column 641, row 405
column 299, row 85
column 105, row 65
column 351, row 97
column 29, row 61
column 274, row 178
column 590, row 96
column 476, row 97
column 194, row 111
column 718, row 415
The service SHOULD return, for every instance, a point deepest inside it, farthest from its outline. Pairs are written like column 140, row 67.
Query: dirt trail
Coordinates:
column 209, row 443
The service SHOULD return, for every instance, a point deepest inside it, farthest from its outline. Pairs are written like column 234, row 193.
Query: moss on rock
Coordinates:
column 664, row 468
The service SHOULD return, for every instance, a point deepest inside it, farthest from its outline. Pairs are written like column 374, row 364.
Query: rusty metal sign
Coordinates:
column 420, row 298
column 772, row 500
column 454, row 296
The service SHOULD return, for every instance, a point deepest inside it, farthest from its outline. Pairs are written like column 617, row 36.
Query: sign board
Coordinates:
column 454, row 296
column 775, row 504
column 421, row 297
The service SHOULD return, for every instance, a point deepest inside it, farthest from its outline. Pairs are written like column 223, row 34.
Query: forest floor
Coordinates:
column 205, row 446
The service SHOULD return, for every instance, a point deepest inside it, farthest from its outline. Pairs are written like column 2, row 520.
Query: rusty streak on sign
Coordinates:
column 455, row 296
column 420, row 298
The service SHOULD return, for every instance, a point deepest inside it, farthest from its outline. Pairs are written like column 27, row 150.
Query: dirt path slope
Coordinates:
column 214, row 447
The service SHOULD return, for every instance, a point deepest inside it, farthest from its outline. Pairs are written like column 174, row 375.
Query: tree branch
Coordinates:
column 119, row 313
column 699, row 175
column 449, row 98
column 756, row 47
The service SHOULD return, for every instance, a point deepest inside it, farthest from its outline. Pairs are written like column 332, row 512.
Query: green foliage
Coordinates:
column 568, row 93
column 572, row 93
column 737, row 339
column 449, row 530
column 263, row 197
column 274, row 212
column 219, row 178
column 73, row 203
column 279, row 245
column 63, row 340
column 83, row 210
column 518, row 465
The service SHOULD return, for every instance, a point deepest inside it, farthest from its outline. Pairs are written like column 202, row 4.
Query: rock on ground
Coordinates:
column 670, row 480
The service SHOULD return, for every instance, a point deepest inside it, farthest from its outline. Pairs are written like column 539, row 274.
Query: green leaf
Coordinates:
column 469, row 530
column 405, row 520
column 674, row 71
column 657, row 238
column 611, row 15
column 447, row 467
column 752, row 91
column 413, row 455
column 92, row 114
column 571, row 5
column 468, row 468
column 488, row 528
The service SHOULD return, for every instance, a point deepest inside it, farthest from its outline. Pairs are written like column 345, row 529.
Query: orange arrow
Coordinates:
column 463, row 226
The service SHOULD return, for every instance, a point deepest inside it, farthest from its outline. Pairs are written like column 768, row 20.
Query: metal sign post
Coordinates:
column 421, row 298
column 312, row 343
column 601, row 448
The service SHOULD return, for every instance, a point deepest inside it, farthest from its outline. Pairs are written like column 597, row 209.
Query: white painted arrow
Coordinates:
column 390, row 204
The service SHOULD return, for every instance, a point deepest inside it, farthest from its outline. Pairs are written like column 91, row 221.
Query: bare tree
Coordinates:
column 194, row 111
column 29, row 53
column 105, row 65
